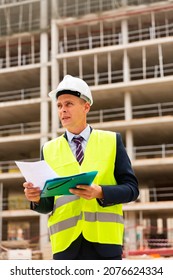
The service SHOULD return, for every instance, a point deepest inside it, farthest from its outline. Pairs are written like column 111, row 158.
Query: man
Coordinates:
column 89, row 223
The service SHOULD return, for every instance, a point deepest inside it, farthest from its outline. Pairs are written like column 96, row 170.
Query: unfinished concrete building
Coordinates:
column 124, row 51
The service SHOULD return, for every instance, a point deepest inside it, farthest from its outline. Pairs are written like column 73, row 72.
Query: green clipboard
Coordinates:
column 61, row 185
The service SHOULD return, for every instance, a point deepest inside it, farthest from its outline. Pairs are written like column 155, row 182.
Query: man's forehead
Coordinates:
column 67, row 97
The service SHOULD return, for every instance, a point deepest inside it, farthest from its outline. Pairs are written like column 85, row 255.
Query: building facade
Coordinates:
column 123, row 50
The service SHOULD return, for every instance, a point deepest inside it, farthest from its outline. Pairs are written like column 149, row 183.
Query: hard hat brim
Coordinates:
column 52, row 94
column 55, row 93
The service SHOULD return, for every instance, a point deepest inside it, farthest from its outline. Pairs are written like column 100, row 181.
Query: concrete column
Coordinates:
column 80, row 67
column 126, row 78
column 65, row 44
column 20, row 17
column 54, row 76
column 44, row 86
column 44, row 89
column 152, row 29
column 160, row 60
column 19, row 51
column 54, row 9
column 109, row 68
column 129, row 143
column 128, row 116
column 128, row 106
column 32, row 49
column 96, row 74
column 126, row 63
column 7, row 53
column 126, row 67
column 64, row 67
column 130, row 236
column 8, row 22
column 124, row 31
column 101, row 35
column 144, row 63
column 169, row 227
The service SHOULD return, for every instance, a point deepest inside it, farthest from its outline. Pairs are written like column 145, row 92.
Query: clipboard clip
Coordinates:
column 51, row 188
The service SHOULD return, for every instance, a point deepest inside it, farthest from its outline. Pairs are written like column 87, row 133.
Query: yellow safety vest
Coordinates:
column 73, row 215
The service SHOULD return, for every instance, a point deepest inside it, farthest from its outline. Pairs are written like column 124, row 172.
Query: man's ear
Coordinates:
column 87, row 107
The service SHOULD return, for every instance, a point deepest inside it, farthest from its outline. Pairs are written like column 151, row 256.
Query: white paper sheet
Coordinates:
column 36, row 172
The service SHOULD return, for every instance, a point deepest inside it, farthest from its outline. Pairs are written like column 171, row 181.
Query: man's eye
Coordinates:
column 69, row 103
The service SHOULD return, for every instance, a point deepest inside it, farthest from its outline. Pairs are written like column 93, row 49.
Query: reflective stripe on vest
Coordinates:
column 65, row 199
column 63, row 225
column 73, row 215
column 103, row 217
column 89, row 217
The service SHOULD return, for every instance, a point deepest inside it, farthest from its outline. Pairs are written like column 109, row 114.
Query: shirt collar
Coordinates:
column 85, row 134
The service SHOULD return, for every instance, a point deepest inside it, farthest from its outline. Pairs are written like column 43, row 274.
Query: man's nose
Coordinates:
column 63, row 109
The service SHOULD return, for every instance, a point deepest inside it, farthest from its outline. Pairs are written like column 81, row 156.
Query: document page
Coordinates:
column 36, row 172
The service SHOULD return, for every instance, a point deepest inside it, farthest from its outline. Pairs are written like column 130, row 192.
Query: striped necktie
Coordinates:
column 79, row 150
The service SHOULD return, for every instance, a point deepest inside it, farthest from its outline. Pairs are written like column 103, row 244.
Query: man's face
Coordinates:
column 72, row 112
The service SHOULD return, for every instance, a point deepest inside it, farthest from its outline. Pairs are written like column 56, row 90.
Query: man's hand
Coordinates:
column 88, row 192
column 32, row 193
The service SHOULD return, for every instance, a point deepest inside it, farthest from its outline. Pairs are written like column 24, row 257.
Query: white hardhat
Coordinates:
column 75, row 86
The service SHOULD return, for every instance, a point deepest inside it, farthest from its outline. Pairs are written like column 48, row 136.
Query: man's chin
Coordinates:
column 65, row 124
